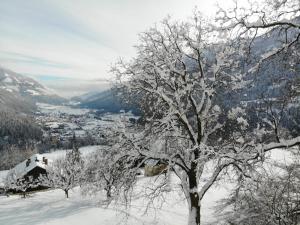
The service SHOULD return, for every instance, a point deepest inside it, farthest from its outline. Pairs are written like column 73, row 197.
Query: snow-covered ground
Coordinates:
column 84, row 151
column 52, row 208
column 57, row 109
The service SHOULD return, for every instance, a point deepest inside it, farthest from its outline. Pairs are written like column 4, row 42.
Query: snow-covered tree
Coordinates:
column 105, row 170
column 65, row 173
column 19, row 184
column 182, row 80
column 279, row 20
column 12, row 155
column 270, row 30
column 271, row 196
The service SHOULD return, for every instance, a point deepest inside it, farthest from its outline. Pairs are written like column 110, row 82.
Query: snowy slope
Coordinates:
column 107, row 101
column 51, row 208
column 84, row 151
column 20, row 86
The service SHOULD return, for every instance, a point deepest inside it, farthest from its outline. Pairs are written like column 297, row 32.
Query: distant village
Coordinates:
column 89, row 126
column 60, row 124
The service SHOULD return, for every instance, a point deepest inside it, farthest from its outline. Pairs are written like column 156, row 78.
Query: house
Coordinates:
column 154, row 167
column 32, row 167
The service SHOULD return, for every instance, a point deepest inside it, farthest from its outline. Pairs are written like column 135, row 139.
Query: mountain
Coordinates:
column 15, row 102
column 271, row 81
column 20, row 93
column 88, row 96
column 105, row 101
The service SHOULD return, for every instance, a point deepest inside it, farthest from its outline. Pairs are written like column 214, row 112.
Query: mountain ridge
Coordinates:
column 20, row 93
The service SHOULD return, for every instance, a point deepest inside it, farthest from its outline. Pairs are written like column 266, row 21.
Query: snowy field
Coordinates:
column 85, row 151
column 52, row 208
column 58, row 109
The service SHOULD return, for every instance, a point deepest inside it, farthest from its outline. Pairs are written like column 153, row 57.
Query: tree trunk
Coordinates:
column 108, row 192
column 67, row 193
column 194, row 210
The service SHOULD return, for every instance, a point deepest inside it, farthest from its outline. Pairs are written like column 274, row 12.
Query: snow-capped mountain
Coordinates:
column 21, row 92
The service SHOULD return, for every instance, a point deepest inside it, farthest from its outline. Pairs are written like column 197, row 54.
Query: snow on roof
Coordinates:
column 27, row 165
column 151, row 162
column 53, row 125
column 80, row 133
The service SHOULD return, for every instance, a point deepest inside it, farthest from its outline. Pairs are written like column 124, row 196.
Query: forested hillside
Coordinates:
column 106, row 101
column 18, row 135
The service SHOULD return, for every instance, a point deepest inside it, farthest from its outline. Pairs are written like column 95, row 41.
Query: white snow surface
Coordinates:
column 52, row 208
column 56, row 109
column 62, row 153
column 7, row 80
column 33, row 92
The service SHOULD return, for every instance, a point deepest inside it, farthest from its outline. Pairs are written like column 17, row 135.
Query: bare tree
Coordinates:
column 103, row 172
column 271, row 196
column 269, row 30
column 181, row 78
column 277, row 111
column 12, row 155
column 277, row 20
column 65, row 173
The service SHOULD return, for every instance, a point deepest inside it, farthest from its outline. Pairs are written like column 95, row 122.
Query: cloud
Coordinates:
column 67, row 87
column 21, row 58
column 79, row 39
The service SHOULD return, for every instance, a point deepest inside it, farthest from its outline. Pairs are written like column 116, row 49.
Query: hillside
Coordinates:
column 105, row 101
column 82, row 208
column 15, row 102
column 262, row 84
column 20, row 93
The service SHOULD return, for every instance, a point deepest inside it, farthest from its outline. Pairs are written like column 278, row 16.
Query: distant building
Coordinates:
column 33, row 167
column 154, row 167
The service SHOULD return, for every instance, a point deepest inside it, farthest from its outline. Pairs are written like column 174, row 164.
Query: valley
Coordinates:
column 60, row 123
column 58, row 118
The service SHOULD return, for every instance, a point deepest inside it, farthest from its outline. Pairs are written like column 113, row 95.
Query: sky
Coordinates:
column 69, row 45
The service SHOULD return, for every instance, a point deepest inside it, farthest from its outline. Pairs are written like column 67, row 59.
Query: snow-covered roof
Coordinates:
column 27, row 165
column 151, row 162
column 53, row 125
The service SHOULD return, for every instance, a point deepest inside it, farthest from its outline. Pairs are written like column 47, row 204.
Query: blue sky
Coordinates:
column 78, row 40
